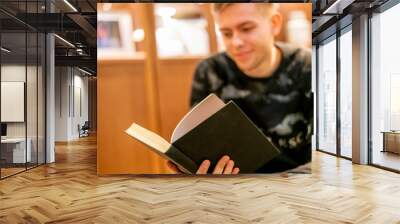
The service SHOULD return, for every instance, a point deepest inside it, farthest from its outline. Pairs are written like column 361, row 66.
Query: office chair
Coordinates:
column 84, row 130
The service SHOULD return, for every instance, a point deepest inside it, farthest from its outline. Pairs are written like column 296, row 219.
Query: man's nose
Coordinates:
column 237, row 40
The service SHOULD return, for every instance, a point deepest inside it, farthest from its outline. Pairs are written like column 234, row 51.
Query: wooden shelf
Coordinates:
column 137, row 57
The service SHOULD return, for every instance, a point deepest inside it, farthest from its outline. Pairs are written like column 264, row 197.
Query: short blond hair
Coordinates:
column 263, row 7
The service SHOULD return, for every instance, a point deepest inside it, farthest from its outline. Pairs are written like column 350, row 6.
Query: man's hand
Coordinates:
column 224, row 166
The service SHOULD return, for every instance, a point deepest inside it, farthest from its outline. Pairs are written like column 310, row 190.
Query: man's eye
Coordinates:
column 247, row 29
column 227, row 34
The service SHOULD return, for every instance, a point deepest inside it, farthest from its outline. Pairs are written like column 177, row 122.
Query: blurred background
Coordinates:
column 147, row 53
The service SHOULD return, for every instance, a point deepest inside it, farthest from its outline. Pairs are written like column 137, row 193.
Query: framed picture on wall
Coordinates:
column 114, row 31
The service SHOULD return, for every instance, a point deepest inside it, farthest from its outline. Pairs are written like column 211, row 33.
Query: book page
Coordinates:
column 149, row 138
column 203, row 110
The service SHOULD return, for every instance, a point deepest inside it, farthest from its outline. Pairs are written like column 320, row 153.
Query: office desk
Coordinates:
column 391, row 141
column 13, row 150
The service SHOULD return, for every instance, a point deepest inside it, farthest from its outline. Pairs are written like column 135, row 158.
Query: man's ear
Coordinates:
column 276, row 22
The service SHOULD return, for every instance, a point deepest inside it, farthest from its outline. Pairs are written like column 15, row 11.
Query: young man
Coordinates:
column 268, row 80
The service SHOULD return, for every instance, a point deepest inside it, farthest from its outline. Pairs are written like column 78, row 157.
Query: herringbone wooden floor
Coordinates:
column 69, row 191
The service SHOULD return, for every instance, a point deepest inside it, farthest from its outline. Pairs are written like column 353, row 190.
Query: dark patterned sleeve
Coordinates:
column 308, row 101
column 200, row 83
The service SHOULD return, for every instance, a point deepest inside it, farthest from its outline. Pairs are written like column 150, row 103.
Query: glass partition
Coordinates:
column 327, row 96
column 41, row 107
column 346, row 93
column 22, row 89
column 13, row 95
column 385, row 89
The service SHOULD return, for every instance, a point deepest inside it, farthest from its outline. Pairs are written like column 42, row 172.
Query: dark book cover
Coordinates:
column 228, row 132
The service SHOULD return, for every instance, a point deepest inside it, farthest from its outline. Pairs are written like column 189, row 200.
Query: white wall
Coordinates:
column 71, row 93
column 80, row 103
column 16, row 73
column 61, row 103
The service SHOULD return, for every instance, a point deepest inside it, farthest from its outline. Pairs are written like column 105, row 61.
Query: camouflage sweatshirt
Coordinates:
column 280, row 105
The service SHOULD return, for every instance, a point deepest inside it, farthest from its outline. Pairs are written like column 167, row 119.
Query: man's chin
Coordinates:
column 243, row 67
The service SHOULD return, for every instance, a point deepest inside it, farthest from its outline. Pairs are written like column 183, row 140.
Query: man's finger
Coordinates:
column 236, row 170
column 229, row 167
column 221, row 165
column 203, row 168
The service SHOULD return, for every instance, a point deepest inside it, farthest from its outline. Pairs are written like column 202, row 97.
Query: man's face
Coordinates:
column 248, row 35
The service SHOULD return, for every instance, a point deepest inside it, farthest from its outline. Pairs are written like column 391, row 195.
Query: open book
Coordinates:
column 211, row 130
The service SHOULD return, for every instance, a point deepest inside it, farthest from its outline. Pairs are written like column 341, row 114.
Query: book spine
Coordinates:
column 183, row 162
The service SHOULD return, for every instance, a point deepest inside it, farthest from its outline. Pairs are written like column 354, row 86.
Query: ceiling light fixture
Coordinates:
column 337, row 7
column 84, row 71
column 331, row 8
column 79, row 51
column 65, row 41
column 70, row 5
column 5, row 50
